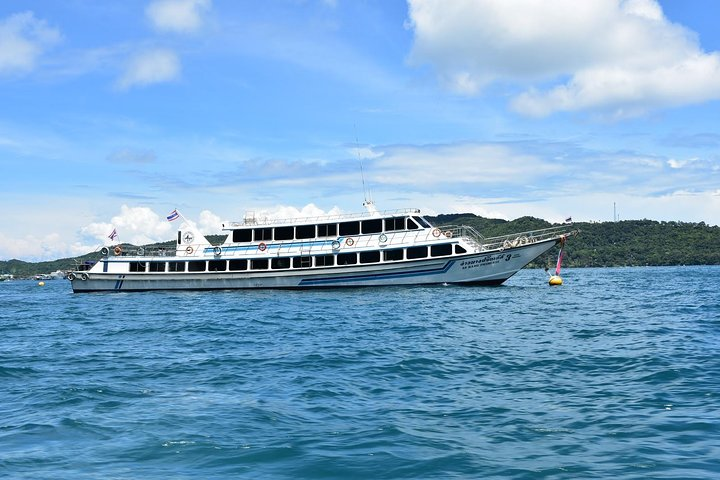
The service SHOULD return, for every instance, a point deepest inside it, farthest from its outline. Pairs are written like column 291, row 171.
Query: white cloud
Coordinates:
column 136, row 225
column 464, row 163
column 282, row 212
column 151, row 66
column 180, row 16
column 621, row 56
column 130, row 155
column 23, row 39
column 210, row 224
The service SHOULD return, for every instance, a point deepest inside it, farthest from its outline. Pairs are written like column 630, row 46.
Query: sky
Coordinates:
column 112, row 114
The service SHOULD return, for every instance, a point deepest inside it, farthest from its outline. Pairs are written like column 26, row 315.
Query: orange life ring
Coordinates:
column 349, row 242
column 189, row 250
column 117, row 250
column 262, row 246
column 448, row 234
column 436, row 232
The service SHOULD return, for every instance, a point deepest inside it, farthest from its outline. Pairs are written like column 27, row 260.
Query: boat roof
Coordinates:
column 251, row 220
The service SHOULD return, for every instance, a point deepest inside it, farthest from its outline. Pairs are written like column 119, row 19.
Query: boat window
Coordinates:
column 196, row 266
column 416, row 252
column 349, row 228
column 243, row 235
column 236, row 265
column 263, row 234
column 370, row 257
column 137, row 266
column 393, row 255
column 422, row 222
column 280, row 263
column 347, row 258
column 327, row 230
column 217, row 265
column 372, row 226
column 411, row 225
column 157, row 266
column 441, row 250
column 459, row 249
column 395, row 223
column 324, row 260
column 305, row 231
column 176, row 266
column 259, row 264
column 302, row 262
column 284, row 233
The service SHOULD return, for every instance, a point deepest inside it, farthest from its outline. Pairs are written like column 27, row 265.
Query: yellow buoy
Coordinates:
column 555, row 280
column 41, row 284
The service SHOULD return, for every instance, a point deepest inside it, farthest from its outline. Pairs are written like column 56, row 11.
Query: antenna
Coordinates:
column 366, row 193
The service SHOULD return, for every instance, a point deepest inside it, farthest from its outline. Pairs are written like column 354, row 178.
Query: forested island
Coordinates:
column 601, row 244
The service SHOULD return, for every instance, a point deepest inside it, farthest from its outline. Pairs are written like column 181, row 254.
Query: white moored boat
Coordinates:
column 373, row 248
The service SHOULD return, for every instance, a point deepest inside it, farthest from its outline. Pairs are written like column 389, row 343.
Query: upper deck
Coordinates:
column 251, row 220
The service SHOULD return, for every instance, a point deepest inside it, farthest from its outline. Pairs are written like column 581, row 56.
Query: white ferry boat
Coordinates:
column 399, row 247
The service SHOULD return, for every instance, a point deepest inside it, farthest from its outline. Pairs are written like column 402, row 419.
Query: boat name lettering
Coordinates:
column 486, row 260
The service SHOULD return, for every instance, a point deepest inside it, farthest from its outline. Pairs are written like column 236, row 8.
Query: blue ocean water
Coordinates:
column 616, row 374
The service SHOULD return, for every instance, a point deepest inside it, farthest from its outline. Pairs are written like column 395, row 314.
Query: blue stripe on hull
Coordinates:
column 378, row 276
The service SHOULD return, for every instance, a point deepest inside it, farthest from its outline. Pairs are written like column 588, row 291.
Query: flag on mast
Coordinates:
column 174, row 215
column 113, row 235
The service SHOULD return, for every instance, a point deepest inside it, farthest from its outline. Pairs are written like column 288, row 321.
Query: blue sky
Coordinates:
column 115, row 113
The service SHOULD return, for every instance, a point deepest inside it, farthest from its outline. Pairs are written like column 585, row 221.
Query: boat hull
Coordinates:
column 483, row 268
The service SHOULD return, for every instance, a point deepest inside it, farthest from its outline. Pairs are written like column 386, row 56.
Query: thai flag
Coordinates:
column 113, row 235
column 174, row 215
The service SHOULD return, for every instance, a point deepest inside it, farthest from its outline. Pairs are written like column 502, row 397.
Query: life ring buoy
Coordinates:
column 189, row 250
column 117, row 250
column 436, row 232
column 448, row 234
column 140, row 252
column 349, row 242
column 262, row 246
column 217, row 251
column 335, row 245
column 84, row 277
column 383, row 238
column 71, row 276
column 105, row 251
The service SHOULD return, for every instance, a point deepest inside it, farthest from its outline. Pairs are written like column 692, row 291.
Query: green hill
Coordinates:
column 625, row 243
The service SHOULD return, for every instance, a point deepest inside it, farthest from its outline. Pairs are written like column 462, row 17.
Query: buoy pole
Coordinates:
column 556, row 279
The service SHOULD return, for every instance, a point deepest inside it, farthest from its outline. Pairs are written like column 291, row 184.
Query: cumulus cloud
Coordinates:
column 179, row 16
column 210, row 224
column 149, row 67
column 617, row 56
column 136, row 225
column 281, row 212
column 23, row 39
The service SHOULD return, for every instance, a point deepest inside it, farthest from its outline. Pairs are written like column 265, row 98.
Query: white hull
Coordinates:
column 490, row 267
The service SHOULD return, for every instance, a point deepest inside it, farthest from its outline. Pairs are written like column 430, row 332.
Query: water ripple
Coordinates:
column 615, row 374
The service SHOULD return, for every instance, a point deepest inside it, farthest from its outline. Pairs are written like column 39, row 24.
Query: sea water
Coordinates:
column 615, row 374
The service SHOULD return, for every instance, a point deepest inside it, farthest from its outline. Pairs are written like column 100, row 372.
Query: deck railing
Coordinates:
column 251, row 220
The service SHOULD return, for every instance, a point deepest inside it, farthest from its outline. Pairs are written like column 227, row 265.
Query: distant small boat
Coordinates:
column 373, row 248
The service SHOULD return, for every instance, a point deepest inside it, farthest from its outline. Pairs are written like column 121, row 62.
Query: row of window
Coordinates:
column 302, row 232
column 284, row 263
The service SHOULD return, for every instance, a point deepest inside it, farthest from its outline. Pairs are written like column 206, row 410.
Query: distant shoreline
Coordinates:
column 626, row 243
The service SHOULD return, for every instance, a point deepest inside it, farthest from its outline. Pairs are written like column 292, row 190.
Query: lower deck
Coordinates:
column 371, row 268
